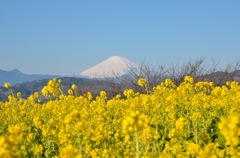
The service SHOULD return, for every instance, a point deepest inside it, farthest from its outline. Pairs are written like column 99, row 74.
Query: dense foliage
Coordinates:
column 189, row 120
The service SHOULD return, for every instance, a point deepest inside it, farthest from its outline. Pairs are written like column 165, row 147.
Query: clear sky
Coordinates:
column 66, row 37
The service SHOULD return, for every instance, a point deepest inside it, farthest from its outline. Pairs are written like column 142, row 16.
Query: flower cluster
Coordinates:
column 230, row 129
column 134, row 124
column 52, row 88
column 142, row 82
column 194, row 119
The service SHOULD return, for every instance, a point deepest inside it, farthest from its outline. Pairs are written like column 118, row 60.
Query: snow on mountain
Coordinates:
column 114, row 66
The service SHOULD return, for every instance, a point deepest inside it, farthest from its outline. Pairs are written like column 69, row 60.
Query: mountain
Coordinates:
column 112, row 67
column 16, row 76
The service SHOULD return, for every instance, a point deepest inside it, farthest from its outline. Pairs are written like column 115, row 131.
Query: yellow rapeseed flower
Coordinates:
column 70, row 92
column 69, row 152
column 189, row 120
column 188, row 79
column 38, row 149
column 74, row 86
column 7, row 85
column 180, row 123
column 19, row 94
column 142, row 82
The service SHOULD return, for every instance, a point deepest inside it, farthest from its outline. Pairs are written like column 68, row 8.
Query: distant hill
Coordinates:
column 84, row 85
column 220, row 77
column 90, row 84
column 16, row 76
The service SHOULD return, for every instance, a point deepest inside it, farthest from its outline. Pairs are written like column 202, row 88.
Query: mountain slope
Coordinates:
column 114, row 66
column 16, row 76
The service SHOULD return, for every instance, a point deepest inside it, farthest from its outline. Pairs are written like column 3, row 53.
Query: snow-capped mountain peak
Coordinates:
column 114, row 66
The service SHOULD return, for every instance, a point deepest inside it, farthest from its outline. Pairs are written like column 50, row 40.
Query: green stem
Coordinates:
column 11, row 90
column 137, row 145
column 61, row 91
column 75, row 91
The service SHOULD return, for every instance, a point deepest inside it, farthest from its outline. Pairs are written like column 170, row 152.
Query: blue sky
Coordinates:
column 67, row 37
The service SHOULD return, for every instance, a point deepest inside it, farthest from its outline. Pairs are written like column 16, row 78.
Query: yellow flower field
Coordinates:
column 189, row 120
